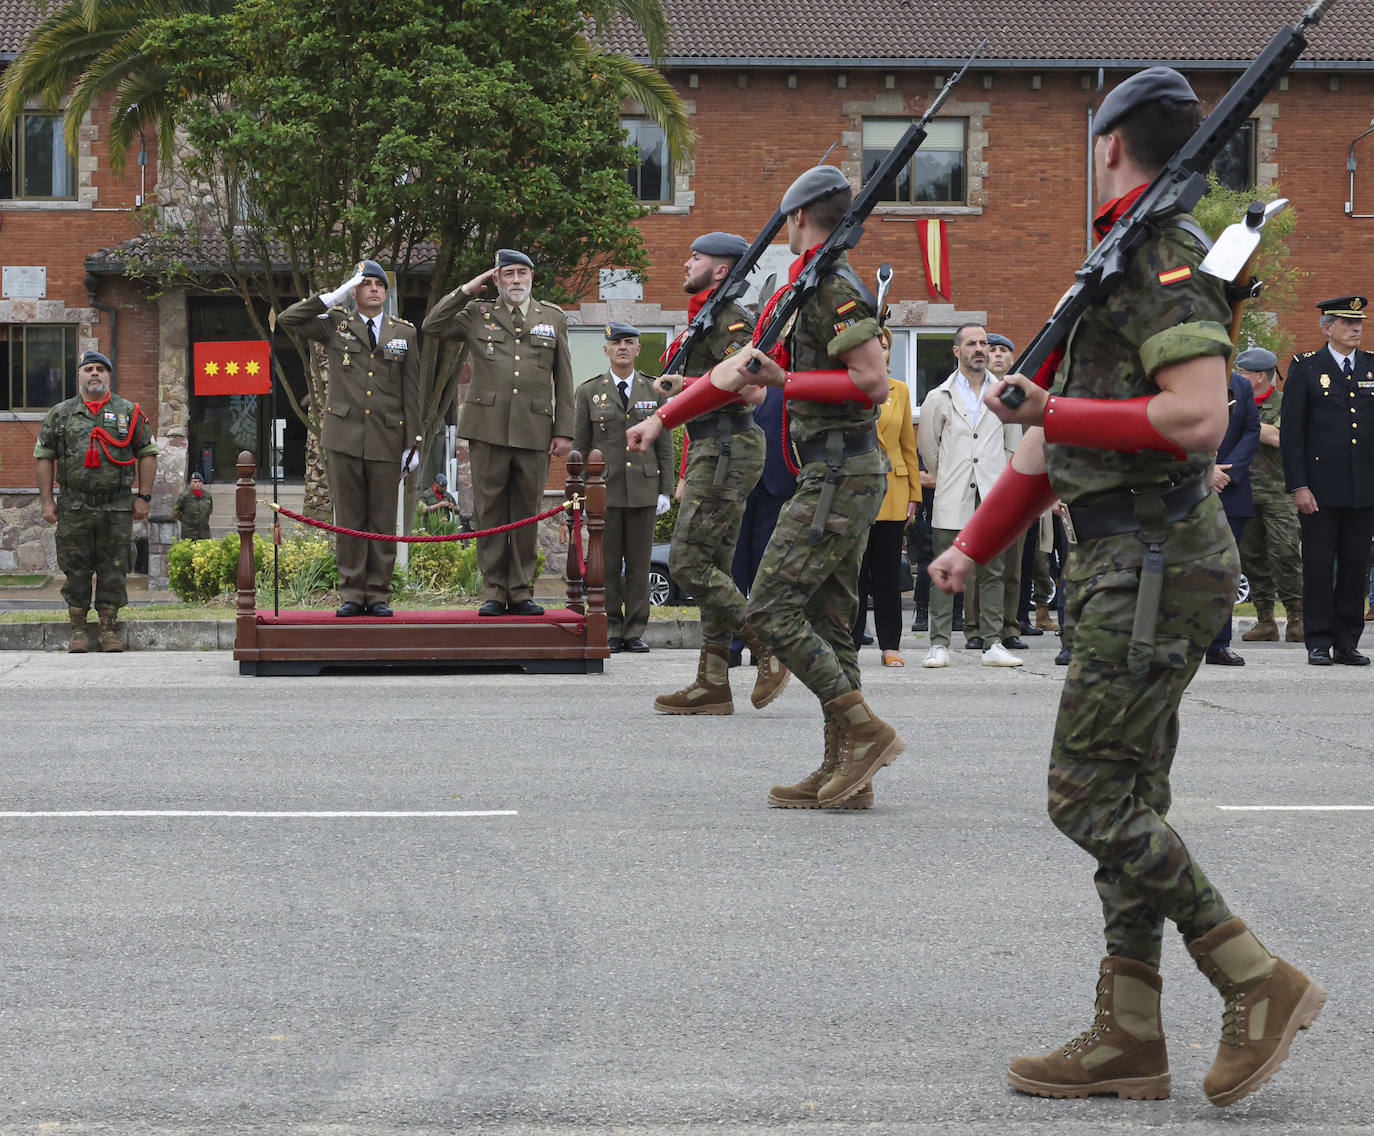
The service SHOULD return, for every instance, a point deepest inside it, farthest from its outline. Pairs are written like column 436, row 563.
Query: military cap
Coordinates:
column 376, row 271
column 1347, row 307
column 1001, row 341
column 195, row 475
column 720, row 244
column 818, row 183
column 1256, row 359
column 616, row 331
column 97, row 357
column 1148, row 86
column 506, row 257
column 441, row 479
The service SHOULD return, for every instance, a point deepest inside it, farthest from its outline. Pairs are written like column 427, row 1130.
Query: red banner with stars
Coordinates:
column 237, row 367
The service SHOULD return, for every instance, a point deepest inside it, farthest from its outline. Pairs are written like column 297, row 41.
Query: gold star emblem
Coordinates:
column 252, row 367
column 231, row 368
column 212, row 368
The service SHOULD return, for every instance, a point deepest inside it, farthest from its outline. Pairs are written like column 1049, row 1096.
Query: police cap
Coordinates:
column 1148, row 86
column 1001, row 341
column 616, row 331
column 506, row 257
column 1346, row 307
column 376, row 271
column 818, row 183
column 720, row 244
column 1256, row 359
column 97, row 357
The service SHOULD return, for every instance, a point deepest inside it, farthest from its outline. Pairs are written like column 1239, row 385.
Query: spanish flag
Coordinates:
column 935, row 252
column 236, row 367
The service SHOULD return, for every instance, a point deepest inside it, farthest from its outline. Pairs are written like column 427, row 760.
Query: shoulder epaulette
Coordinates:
column 407, row 322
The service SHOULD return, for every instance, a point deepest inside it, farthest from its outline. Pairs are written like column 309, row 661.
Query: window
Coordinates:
column 587, row 346
column 922, row 358
column 652, row 179
column 38, row 365
column 40, row 165
column 1235, row 165
column 935, row 173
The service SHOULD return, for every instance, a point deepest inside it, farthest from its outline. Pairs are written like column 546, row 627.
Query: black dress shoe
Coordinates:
column 524, row 607
column 1349, row 657
column 1014, row 644
column 381, row 610
column 615, row 643
column 1063, row 658
column 636, row 645
column 973, row 643
column 492, row 607
column 1028, row 628
column 350, row 609
column 922, row 620
column 1225, row 657
column 1319, row 657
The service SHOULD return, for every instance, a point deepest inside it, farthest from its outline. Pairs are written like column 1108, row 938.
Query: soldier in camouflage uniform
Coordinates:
column 1137, row 404
column 193, row 509
column 725, row 452
column 1271, row 547
column 101, row 449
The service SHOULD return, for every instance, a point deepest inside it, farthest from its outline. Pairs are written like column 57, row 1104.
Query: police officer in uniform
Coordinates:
column 101, row 449
column 371, row 420
column 1125, row 438
column 638, row 484
column 517, row 413
column 1327, row 441
column 193, row 508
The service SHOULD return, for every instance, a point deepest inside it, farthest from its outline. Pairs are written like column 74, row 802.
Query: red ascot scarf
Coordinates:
column 1261, row 399
column 197, row 493
column 694, row 305
column 101, row 439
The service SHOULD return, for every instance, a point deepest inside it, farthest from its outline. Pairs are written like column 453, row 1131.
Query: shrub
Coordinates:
column 195, row 569
column 305, row 567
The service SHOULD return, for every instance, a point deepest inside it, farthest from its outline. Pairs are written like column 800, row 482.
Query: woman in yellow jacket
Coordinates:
column 880, row 575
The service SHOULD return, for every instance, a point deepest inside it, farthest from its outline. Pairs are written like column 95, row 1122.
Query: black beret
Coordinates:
column 1001, row 341
column 1257, row 359
column 1146, row 86
column 818, row 183
column 97, row 357
column 1347, row 307
column 616, row 331
column 505, row 257
column 720, row 244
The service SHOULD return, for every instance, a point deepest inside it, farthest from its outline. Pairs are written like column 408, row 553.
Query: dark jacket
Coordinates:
column 1327, row 429
column 1238, row 449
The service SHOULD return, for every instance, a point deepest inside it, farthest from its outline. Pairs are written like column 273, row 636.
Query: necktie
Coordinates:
column 1347, row 369
column 371, row 335
column 624, row 392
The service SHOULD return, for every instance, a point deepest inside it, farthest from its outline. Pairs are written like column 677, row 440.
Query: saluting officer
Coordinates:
column 638, row 484
column 517, row 413
column 371, row 417
column 1327, row 441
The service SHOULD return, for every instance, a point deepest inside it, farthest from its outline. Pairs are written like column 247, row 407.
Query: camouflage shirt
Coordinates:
column 1266, row 470
column 1165, row 312
column 65, row 437
column 732, row 329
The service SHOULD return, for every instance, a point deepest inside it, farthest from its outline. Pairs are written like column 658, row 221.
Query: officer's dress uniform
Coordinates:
column 520, row 398
column 194, row 514
column 95, row 505
column 634, row 481
column 1270, row 549
column 1327, row 440
column 371, row 416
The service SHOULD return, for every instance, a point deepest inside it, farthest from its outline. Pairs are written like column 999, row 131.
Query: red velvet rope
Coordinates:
column 434, row 539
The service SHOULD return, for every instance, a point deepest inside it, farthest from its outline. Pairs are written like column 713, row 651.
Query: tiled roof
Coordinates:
column 707, row 32
column 205, row 255
column 17, row 19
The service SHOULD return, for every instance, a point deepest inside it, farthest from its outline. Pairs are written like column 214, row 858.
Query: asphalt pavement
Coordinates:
column 377, row 903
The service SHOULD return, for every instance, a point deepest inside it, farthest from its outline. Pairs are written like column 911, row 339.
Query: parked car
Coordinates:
column 662, row 590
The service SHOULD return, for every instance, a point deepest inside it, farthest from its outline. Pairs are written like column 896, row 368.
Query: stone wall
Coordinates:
column 27, row 542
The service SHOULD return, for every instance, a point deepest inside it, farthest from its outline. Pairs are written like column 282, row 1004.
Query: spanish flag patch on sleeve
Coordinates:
column 735, row 326
column 849, row 307
column 1176, row 275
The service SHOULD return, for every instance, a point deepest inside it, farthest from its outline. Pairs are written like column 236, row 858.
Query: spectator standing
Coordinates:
column 1231, row 480
column 193, row 508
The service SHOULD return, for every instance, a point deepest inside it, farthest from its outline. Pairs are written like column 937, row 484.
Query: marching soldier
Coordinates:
column 193, row 509
column 101, row 449
column 517, row 413
column 371, row 418
column 638, row 484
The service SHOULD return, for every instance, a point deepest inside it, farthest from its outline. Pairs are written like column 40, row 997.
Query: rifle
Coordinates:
column 850, row 229
column 1176, row 188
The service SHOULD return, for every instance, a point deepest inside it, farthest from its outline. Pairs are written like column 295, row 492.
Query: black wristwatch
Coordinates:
column 144, row 496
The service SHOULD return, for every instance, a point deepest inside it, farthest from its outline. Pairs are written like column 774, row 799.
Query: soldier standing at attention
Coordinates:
column 371, row 417
column 638, row 485
column 805, row 596
column 101, row 448
column 1125, row 438
column 1328, row 464
column 517, row 413
column 193, row 509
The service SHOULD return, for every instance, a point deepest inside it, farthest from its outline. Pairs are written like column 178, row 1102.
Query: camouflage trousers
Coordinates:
column 707, row 530
column 806, row 595
column 1271, row 551
column 94, row 542
column 1115, row 737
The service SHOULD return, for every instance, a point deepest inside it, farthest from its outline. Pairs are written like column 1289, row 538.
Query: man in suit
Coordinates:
column 371, row 417
column 1231, row 480
column 517, row 413
column 638, row 484
column 1327, row 442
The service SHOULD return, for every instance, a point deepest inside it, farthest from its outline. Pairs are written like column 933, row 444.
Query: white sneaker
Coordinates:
column 998, row 656
column 938, row 657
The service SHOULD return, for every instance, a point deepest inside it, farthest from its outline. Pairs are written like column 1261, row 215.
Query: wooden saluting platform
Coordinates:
column 566, row 640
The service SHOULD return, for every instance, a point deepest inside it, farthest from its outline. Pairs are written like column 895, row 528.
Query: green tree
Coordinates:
column 1259, row 326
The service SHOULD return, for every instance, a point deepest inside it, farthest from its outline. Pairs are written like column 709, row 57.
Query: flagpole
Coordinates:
column 272, row 445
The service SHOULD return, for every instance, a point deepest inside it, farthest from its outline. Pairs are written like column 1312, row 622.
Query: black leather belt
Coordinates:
column 855, row 442
column 1116, row 515
column 719, row 425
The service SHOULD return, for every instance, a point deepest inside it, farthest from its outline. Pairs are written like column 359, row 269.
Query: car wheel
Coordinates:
column 660, row 585
column 1242, row 589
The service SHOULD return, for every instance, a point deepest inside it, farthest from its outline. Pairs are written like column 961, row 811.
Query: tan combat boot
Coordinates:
column 1293, row 633
column 1265, row 629
column 80, row 641
column 803, row 795
column 109, row 641
column 1122, row 1052
column 709, row 694
column 772, row 676
column 1044, row 620
column 865, row 744
column 1267, row 1002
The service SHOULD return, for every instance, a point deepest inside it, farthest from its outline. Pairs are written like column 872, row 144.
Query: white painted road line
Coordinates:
column 1297, row 808
column 249, row 814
